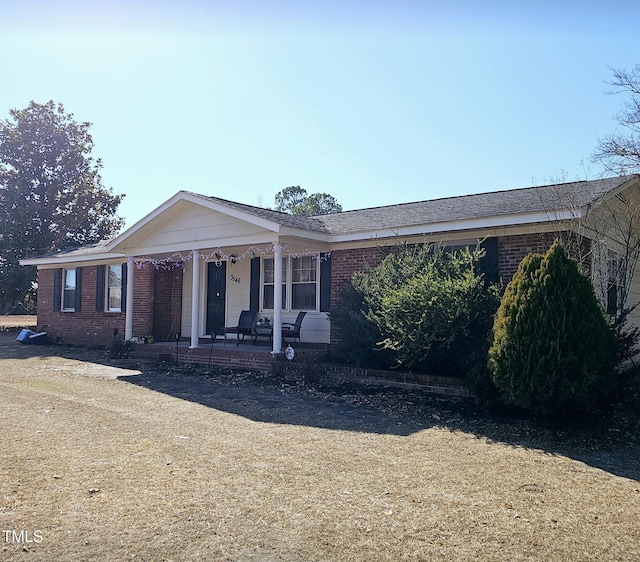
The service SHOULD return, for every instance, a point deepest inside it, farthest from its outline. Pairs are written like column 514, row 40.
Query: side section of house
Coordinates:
column 79, row 304
column 614, row 226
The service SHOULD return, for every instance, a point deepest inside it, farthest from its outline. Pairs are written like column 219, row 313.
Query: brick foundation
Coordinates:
column 220, row 355
column 393, row 379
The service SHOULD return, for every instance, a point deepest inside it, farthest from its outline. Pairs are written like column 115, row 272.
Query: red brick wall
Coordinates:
column 158, row 293
column 167, row 308
column 89, row 327
column 143, row 299
column 344, row 263
column 511, row 251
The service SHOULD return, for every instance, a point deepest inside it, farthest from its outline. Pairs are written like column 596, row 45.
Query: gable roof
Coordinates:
column 548, row 200
column 497, row 208
column 314, row 223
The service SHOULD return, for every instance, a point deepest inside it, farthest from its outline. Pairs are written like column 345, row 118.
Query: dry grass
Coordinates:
column 111, row 471
column 11, row 321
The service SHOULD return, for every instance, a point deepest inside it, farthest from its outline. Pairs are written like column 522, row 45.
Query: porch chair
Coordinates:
column 292, row 331
column 244, row 327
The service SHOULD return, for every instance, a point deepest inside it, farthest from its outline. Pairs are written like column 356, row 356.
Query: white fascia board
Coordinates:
column 470, row 224
column 305, row 234
column 203, row 202
column 70, row 258
column 145, row 220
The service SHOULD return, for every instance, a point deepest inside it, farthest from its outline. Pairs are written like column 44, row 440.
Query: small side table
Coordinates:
column 261, row 332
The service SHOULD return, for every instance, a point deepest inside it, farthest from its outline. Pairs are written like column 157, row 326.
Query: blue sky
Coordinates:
column 373, row 102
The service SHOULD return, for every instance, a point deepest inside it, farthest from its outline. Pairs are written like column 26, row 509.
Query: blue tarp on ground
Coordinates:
column 30, row 337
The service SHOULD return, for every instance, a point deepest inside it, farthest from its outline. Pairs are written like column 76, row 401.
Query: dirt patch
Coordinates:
column 126, row 461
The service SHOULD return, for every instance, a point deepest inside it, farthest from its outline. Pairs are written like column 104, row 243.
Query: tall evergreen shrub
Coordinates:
column 553, row 348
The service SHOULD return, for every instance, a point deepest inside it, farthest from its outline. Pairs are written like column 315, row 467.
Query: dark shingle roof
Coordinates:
column 79, row 251
column 295, row 221
column 543, row 199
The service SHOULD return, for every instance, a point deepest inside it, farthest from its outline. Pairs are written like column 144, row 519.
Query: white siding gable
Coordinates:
column 187, row 225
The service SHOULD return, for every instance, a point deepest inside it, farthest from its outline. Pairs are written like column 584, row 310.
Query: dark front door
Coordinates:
column 216, row 290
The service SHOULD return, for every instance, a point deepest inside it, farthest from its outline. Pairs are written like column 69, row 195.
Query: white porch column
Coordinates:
column 277, row 298
column 128, row 315
column 195, row 300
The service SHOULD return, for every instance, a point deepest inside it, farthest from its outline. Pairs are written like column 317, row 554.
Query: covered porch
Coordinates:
column 231, row 259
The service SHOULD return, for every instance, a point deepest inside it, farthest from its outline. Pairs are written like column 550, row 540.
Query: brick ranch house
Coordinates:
column 195, row 262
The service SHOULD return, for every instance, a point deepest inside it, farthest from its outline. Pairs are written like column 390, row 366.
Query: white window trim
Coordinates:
column 316, row 262
column 106, row 289
column 64, row 290
column 288, row 282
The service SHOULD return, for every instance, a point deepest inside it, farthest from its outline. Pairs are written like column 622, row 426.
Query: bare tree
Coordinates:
column 619, row 152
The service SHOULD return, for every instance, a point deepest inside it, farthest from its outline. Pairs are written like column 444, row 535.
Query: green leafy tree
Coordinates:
column 51, row 192
column 553, row 348
column 296, row 201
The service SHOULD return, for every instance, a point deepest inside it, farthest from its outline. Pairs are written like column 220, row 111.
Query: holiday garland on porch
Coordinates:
column 179, row 259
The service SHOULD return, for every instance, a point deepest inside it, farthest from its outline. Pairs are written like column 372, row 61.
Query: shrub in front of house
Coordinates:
column 553, row 349
column 356, row 335
column 427, row 310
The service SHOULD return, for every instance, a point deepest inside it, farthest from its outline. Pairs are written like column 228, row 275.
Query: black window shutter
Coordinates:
column 489, row 263
column 78, row 295
column 101, row 273
column 325, row 282
column 57, row 289
column 123, row 293
column 254, row 285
